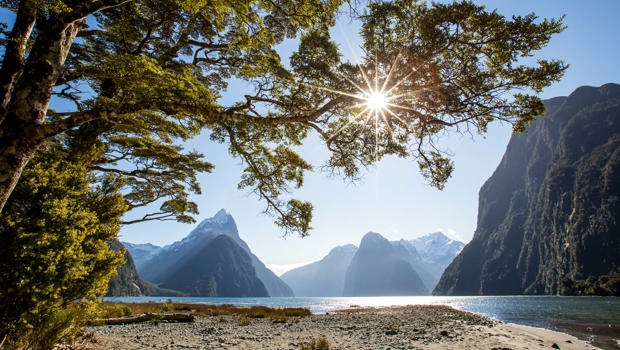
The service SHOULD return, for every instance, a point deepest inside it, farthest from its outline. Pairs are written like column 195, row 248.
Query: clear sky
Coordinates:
column 392, row 198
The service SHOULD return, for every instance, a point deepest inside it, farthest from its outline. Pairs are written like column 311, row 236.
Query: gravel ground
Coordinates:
column 410, row 327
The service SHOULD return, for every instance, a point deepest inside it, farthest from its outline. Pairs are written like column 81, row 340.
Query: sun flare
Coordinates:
column 376, row 100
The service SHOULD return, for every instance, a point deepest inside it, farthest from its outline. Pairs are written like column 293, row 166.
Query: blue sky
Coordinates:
column 392, row 198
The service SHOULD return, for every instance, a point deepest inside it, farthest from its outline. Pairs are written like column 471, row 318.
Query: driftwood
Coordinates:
column 143, row 318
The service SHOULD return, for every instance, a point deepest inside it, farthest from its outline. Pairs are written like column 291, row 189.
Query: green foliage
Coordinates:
column 458, row 66
column 54, row 234
column 606, row 285
column 115, row 310
column 62, row 326
column 165, row 307
column 156, row 70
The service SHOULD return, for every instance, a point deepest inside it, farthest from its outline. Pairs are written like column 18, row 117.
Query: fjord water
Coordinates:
column 592, row 318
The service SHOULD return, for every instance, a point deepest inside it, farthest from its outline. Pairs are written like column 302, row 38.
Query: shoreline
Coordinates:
column 402, row 327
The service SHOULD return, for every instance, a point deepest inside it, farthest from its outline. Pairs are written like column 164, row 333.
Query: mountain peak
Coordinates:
column 221, row 216
column 372, row 237
column 436, row 243
column 585, row 95
column 347, row 248
column 438, row 236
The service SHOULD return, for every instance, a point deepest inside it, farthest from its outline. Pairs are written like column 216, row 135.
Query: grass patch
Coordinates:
column 113, row 309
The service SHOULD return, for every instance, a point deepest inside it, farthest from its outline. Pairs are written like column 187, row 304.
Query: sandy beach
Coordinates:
column 410, row 327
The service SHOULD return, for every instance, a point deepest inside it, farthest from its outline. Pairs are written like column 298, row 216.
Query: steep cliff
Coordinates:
column 550, row 210
column 128, row 283
column 221, row 269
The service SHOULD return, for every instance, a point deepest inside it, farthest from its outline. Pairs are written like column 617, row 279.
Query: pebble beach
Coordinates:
column 408, row 327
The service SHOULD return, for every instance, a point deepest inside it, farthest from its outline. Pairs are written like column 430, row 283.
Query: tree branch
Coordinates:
column 73, row 120
column 159, row 216
column 82, row 9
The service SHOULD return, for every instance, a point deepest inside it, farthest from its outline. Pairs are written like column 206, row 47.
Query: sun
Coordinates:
column 376, row 100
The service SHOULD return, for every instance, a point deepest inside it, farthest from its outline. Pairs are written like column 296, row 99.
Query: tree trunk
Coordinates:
column 17, row 146
column 22, row 132
column 15, row 52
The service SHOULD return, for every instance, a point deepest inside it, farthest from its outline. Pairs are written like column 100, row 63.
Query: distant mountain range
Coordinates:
column 548, row 218
column 378, row 267
column 214, row 261
column 211, row 261
column 322, row 278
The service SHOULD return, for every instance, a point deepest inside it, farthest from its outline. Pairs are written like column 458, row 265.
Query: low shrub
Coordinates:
column 60, row 326
column 320, row 343
column 244, row 321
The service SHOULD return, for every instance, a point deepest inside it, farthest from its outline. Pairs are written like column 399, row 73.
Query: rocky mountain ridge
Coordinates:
column 549, row 213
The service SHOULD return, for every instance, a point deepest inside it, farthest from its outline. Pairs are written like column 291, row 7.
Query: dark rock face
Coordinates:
column 324, row 278
column 377, row 269
column 550, row 210
column 222, row 268
column 164, row 262
column 128, row 283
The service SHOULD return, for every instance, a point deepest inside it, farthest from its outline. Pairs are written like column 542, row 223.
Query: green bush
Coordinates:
column 55, row 257
column 165, row 308
column 606, row 285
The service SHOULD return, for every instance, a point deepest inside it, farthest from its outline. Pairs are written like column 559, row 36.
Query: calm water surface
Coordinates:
column 592, row 318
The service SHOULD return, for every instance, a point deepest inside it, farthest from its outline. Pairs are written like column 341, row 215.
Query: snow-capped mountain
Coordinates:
column 437, row 248
column 164, row 265
column 427, row 257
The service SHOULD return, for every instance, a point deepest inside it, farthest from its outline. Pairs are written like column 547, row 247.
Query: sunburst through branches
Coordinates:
column 378, row 100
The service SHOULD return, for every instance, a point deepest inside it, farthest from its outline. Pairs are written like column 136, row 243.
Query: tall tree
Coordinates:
column 149, row 73
column 55, row 230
